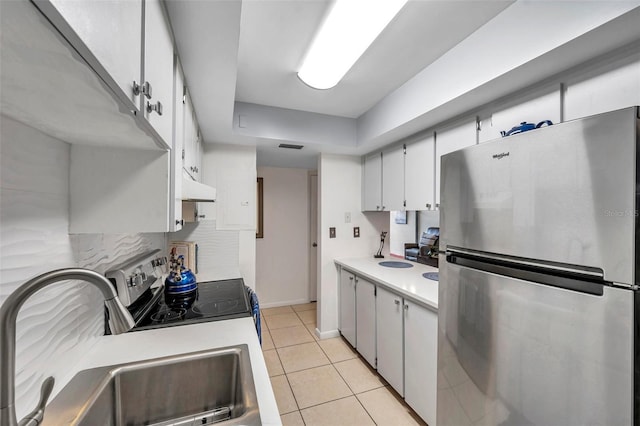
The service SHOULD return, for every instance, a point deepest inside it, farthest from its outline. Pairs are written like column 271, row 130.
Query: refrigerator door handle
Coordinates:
column 568, row 278
column 521, row 263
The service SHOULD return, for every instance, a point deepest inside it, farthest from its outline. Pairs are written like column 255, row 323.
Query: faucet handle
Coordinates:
column 35, row 417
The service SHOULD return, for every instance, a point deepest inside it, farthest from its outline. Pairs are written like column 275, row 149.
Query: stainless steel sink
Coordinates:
column 205, row 387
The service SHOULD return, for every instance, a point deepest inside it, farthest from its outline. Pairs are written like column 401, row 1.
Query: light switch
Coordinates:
column 356, row 232
column 332, row 232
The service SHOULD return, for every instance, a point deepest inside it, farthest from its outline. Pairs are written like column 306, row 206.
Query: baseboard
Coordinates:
column 278, row 304
column 327, row 334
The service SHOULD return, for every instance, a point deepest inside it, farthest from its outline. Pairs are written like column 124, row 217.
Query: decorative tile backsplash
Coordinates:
column 59, row 324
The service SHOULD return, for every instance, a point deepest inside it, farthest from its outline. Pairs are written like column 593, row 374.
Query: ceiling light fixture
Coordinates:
column 349, row 29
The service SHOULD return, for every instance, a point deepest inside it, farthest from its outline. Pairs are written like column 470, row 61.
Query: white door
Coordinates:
column 348, row 306
column 158, row 69
column 389, row 345
column 421, row 360
column 366, row 320
column 313, row 237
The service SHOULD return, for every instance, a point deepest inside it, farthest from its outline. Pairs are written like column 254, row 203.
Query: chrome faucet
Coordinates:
column 120, row 321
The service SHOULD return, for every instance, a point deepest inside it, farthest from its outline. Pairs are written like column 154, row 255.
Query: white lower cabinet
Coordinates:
column 347, row 322
column 389, row 338
column 396, row 336
column 420, row 360
column 366, row 320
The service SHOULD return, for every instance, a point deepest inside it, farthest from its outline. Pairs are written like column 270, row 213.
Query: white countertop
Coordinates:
column 156, row 343
column 408, row 282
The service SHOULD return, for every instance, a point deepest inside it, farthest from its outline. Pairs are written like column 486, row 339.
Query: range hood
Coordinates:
column 196, row 191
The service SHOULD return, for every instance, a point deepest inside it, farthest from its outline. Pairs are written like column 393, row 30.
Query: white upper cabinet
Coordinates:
column 192, row 158
column 112, row 30
column 175, row 224
column 393, row 178
column 52, row 82
column 452, row 139
column 419, row 174
column 535, row 110
column 157, row 103
column 128, row 43
column 372, row 183
column 611, row 86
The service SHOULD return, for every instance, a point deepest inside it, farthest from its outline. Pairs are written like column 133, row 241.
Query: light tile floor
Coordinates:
column 324, row 382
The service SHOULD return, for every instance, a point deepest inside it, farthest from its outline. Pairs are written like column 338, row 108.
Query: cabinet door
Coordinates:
column 366, row 320
column 419, row 175
column 348, row 306
column 421, row 360
column 389, row 346
column 450, row 140
column 158, row 69
column 372, row 183
column 112, row 31
column 190, row 139
column 393, row 179
column 175, row 222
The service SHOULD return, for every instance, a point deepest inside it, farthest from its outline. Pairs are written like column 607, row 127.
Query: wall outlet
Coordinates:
column 356, row 232
column 347, row 217
column 332, row 232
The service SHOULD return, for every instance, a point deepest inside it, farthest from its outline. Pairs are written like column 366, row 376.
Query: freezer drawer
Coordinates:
column 514, row 352
column 564, row 193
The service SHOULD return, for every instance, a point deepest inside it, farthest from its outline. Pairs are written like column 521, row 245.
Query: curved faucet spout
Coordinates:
column 120, row 321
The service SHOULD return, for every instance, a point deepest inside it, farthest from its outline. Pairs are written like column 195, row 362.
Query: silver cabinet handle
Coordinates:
column 437, row 206
column 157, row 107
column 396, row 301
column 350, row 278
column 428, row 206
column 377, row 207
column 383, row 207
column 145, row 89
column 406, row 307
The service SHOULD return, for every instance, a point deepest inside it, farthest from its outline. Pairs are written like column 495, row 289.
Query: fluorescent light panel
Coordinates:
column 347, row 32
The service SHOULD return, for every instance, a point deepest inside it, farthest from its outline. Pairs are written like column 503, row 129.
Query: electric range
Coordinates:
column 139, row 286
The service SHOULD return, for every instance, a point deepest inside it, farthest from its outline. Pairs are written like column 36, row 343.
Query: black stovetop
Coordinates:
column 211, row 301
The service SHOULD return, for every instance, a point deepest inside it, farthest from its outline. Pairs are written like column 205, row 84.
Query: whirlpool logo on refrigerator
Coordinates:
column 500, row 156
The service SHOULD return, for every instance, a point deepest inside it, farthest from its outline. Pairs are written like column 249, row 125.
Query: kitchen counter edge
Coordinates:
column 407, row 282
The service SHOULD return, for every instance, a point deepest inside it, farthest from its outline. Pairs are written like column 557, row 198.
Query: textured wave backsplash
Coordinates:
column 59, row 324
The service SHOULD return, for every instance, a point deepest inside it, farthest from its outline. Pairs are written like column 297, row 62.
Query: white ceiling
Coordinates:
column 274, row 36
column 241, row 56
column 249, row 51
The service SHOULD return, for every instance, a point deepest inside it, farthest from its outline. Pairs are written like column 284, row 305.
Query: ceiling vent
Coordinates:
column 290, row 146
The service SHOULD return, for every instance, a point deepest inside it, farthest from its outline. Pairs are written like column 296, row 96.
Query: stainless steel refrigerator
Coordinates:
column 538, row 299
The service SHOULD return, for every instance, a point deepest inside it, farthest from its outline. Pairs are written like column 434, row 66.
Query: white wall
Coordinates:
column 339, row 182
column 231, row 169
column 282, row 255
column 59, row 324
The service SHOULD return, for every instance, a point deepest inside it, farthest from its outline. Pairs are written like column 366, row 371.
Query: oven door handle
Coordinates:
column 149, row 306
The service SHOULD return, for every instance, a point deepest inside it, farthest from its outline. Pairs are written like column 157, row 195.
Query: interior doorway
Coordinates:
column 313, row 236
